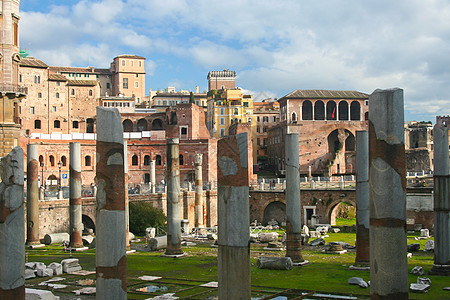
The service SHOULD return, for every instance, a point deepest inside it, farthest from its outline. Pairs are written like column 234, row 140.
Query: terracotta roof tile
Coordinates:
column 32, row 62
column 82, row 82
column 56, row 77
column 325, row 94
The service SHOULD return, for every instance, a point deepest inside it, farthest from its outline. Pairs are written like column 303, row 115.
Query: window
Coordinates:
column 245, row 104
column 257, row 129
column 222, row 111
column 222, row 132
column 140, row 64
column 57, row 95
column 158, row 160
column 164, row 102
column 257, row 119
column 86, row 75
column 125, row 83
column 265, row 142
column 274, row 119
column 37, row 124
column 222, row 121
column 63, row 160
column 32, row 110
column 123, row 62
column 75, row 124
column 264, row 129
column 58, row 83
column 20, row 77
column 107, row 85
column 39, row 95
column 72, row 92
column 56, row 124
column 136, row 84
column 52, row 160
column 90, row 93
column 236, row 111
column 147, row 160
column 87, row 161
column 265, row 119
column 184, row 130
column 37, row 78
column 258, row 142
column 181, row 159
column 134, row 160
column 53, row 108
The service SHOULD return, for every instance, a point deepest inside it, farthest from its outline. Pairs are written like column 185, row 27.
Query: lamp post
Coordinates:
column 42, row 175
column 59, row 175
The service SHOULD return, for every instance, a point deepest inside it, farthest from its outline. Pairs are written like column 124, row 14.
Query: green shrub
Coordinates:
column 143, row 215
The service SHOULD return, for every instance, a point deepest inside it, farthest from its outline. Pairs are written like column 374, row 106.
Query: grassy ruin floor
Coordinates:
column 326, row 273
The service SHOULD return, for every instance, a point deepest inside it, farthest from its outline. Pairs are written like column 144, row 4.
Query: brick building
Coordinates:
column 326, row 122
column 267, row 115
column 220, row 80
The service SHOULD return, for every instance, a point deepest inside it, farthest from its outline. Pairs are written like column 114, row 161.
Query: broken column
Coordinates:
column 153, row 176
column 198, row 191
column 174, row 206
column 441, row 264
column 362, row 199
column 387, row 196
column 293, row 205
column 110, row 242
column 32, row 196
column 12, row 226
column 76, row 223
column 233, row 217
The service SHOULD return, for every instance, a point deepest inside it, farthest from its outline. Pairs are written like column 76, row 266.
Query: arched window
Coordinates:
column 75, row 124
column 37, row 78
column 294, row 117
column 134, row 160
column 56, row 124
column 331, row 110
column 57, row 95
column 355, row 111
column 181, row 159
column 127, row 125
column 142, row 125
column 343, row 111
column 52, row 160
column 319, row 110
column 87, row 161
column 37, row 124
column 72, row 92
column 157, row 124
column 307, row 110
column 147, row 160
column 90, row 93
column 63, row 160
column 41, row 159
column 90, row 125
column 158, row 160
column 350, row 141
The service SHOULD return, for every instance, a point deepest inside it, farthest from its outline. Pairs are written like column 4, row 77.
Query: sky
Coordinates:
column 275, row 46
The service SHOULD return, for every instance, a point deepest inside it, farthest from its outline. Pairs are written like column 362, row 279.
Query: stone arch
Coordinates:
column 275, row 210
column 173, row 118
column 333, row 141
column 157, row 124
column 127, row 125
column 331, row 110
column 355, row 111
column 332, row 208
column 319, row 110
column 349, row 141
column 343, row 111
column 307, row 112
column 134, row 160
column 88, row 223
column 142, row 125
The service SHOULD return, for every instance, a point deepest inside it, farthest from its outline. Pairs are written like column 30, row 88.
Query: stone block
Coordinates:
column 44, row 272
column 35, row 294
column 56, row 267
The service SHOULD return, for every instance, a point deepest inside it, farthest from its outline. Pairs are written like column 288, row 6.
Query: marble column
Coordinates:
column 387, row 196
column 441, row 264
column 33, row 196
column 110, row 242
column 153, row 176
column 174, row 206
column 12, row 226
column 293, row 204
column 362, row 199
column 199, row 205
column 75, row 209
column 233, row 217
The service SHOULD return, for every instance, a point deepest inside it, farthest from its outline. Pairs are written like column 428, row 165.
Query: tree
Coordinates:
column 144, row 215
column 191, row 98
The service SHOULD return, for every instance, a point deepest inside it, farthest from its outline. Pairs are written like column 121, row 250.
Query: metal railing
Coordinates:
column 13, row 88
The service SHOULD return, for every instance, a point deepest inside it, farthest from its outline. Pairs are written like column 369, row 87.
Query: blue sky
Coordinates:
column 276, row 46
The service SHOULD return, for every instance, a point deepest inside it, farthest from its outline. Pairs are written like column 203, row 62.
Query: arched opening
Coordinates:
column 90, row 125
column 63, row 160
column 355, row 111
column 307, row 110
column 349, row 141
column 366, row 116
column 53, row 180
column 343, row 111
column 146, row 160
column 87, row 161
column 343, row 213
column 127, row 125
column 173, row 118
column 181, row 159
column 146, row 178
column 331, row 110
column 41, row 159
column 319, row 110
column 134, row 160
column 87, row 224
column 56, row 124
column 158, row 160
column 294, row 117
column 333, row 142
column 157, row 124
column 52, row 160
column 275, row 211
column 142, row 125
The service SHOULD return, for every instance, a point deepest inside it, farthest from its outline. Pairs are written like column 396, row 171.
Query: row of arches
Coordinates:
column 331, row 111
column 90, row 128
column 51, row 161
column 142, row 125
column 158, row 160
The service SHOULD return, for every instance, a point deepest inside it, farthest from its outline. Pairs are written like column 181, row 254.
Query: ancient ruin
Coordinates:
column 76, row 224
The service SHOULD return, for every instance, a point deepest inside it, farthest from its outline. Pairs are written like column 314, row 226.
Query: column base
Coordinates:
column 441, row 270
column 358, row 267
column 174, row 255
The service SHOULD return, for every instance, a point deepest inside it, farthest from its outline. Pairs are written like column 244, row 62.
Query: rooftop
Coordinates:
column 224, row 73
column 32, row 62
column 325, row 94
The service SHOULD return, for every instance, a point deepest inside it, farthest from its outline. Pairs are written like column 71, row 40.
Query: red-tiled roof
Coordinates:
column 32, row 62
column 82, row 82
column 56, row 77
column 325, row 94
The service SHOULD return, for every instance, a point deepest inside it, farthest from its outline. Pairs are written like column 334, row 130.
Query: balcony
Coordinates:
column 13, row 88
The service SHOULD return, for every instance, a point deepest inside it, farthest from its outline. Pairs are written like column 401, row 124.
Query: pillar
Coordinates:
column 441, row 264
column 174, row 206
column 387, row 196
column 75, row 205
column 153, row 176
column 32, row 195
column 110, row 242
column 362, row 199
column 199, row 205
column 12, row 225
column 233, row 217
column 127, row 206
column 293, row 207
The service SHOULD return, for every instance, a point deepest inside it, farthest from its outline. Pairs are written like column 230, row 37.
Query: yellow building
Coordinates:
column 227, row 107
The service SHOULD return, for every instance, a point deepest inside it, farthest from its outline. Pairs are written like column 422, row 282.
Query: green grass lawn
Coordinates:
column 325, row 273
